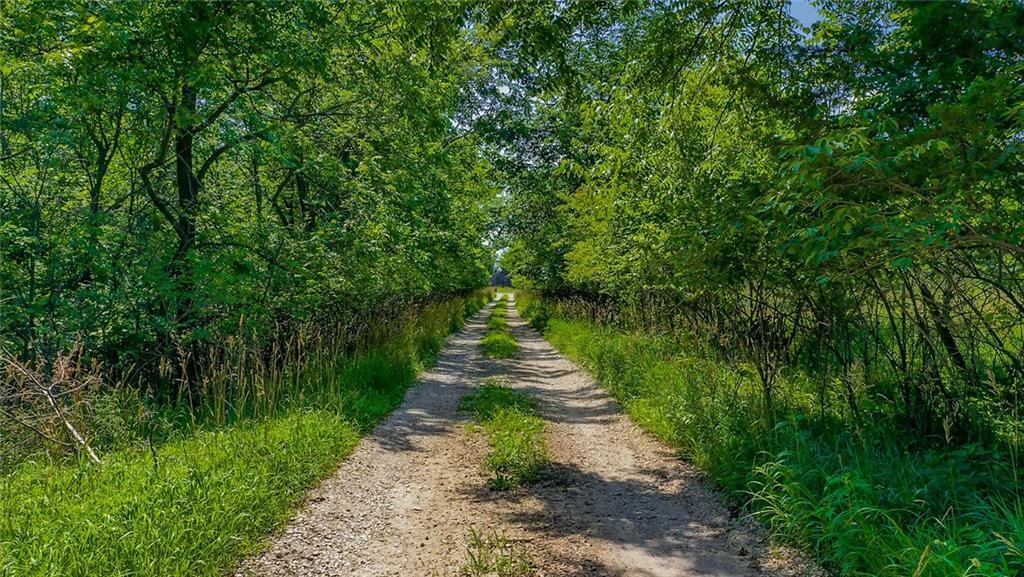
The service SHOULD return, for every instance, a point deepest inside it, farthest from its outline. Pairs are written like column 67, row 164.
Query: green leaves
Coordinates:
column 328, row 167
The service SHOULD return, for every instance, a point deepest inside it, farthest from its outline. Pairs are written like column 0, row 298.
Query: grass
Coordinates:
column 500, row 345
column 515, row 432
column 861, row 501
column 494, row 555
column 189, row 508
column 499, row 342
column 498, row 322
column 196, row 502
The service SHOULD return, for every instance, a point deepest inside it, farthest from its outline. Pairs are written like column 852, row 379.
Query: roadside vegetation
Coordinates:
column 499, row 343
column 793, row 249
column 194, row 193
column 231, row 233
column 515, row 432
column 861, row 500
column 194, row 492
column 230, row 236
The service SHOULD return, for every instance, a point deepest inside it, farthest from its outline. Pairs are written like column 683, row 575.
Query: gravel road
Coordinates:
column 615, row 503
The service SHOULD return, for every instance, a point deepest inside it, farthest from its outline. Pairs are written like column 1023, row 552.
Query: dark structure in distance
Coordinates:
column 501, row 278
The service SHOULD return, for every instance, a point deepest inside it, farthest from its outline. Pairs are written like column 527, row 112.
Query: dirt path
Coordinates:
column 616, row 503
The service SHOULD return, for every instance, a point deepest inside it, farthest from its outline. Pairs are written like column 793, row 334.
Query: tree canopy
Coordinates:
column 171, row 171
column 848, row 193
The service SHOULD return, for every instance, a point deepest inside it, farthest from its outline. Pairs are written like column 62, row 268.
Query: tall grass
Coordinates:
column 864, row 502
column 222, row 472
column 244, row 377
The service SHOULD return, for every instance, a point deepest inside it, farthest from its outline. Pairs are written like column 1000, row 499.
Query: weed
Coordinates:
column 494, row 555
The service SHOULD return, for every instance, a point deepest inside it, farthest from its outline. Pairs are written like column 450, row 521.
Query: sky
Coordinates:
column 804, row 12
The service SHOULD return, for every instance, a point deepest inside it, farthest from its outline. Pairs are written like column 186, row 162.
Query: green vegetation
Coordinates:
column 495, row 556
column 192, row 507
column 183, row 181
column 807, row 243
column 535, row 311
column 515, row 433
column 230, row 235
column 843, row 200
column 497, row 321
column 499, row 342
column 220, row 217
column 194, row 503
column 856, row 499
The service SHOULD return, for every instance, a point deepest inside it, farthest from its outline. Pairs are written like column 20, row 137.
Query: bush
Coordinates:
column 538, row 314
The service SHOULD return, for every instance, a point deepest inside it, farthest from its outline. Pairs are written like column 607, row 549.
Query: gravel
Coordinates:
column 615, row 502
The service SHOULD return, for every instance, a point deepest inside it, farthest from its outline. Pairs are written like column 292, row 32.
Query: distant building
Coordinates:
column 501, row 278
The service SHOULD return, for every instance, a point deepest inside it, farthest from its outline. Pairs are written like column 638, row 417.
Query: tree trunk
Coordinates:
column 188, row 198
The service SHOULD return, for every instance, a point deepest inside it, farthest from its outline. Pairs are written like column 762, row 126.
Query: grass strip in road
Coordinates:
column 194, row 505
column 515, row 432
column 500, row 345
column 499, row 342
column 498, row 322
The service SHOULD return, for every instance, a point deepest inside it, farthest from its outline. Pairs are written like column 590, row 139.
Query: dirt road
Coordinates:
column 615, row 503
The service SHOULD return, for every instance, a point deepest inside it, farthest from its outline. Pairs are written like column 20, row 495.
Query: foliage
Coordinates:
column 863, row 503
column 209, row 209
column 176, row 174
column 535, row 311
column 844, row 198
column 321, row 368
column 515, row 432
column 195, row 503
column 829, row 219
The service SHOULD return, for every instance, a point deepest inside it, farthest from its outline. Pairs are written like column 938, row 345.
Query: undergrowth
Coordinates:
column 865, row 503
column 206, row 490
column 515, row 432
